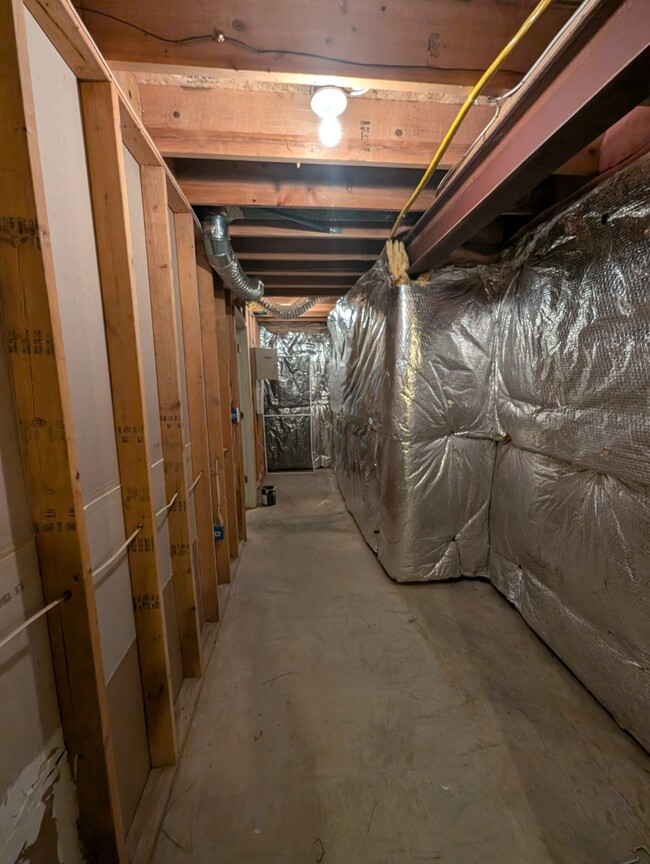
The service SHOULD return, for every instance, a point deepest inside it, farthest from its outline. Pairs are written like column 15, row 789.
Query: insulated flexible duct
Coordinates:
column 293, row 310
column 224, row 261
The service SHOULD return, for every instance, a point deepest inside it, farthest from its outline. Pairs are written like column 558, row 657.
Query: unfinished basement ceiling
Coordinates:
column 225, row 93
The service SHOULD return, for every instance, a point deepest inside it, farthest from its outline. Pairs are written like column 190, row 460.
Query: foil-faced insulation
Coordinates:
column 512, row 436
column 297, row 416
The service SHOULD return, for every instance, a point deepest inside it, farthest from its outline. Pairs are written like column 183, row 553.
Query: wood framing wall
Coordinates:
column 253, row 331
column 119, row 356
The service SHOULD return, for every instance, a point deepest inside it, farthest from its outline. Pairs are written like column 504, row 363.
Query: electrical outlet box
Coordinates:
column 265, row 363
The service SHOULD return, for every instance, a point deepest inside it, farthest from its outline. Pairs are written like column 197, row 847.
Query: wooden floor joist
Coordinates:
column 165, row 332
column 413, row 40
column 101, row 120
column 269, row 125
column 267, row 184
column 196, row 397
column 32, row 326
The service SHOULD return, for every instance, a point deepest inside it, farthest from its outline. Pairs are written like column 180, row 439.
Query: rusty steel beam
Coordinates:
column 593, row 77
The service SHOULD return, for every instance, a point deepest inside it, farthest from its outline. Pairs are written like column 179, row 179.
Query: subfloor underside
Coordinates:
column 350, row 720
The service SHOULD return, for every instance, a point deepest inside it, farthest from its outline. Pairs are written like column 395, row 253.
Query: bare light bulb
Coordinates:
column 329, row 131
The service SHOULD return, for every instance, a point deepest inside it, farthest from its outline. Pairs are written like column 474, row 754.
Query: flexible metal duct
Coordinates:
column 224, row 261
column 293, row 310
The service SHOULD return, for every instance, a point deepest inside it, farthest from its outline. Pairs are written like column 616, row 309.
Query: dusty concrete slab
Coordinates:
column 346, row 718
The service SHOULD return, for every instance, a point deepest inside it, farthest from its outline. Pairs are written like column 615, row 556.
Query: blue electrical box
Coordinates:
column 219, row 532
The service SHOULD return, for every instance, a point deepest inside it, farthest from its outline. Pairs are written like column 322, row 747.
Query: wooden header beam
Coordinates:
column 266, row 184
column 410, row 40
column 280, row 126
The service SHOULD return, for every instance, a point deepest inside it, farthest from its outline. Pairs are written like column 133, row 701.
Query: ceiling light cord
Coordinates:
column 474, row 93
column 217, row 35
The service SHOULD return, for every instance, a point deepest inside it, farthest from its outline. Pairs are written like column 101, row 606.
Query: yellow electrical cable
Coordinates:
column 475, row 92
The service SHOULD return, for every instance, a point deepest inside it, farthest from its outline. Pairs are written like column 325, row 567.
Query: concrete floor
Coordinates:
column 348, row 719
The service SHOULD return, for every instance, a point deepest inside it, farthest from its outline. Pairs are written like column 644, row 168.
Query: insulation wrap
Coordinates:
column 506, row 431
column 297, row 416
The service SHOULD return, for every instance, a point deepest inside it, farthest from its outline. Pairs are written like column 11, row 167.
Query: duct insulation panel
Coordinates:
column 297, row 416
column 495, row 421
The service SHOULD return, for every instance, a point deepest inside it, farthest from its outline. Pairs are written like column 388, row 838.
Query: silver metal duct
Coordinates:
column 293, row 310
column 224, row 261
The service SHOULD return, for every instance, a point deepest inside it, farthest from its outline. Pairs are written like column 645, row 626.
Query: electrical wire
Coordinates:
column 217, row 35
column 474, row 93
column 196, row 480
column 498, row 101
column 117, row 553
column 62, row 599
column 167, row 507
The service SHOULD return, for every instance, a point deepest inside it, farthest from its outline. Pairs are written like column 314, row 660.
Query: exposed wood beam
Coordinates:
column 597, row 72
column 213, row 404
column 316, row 279
column 101, row 120
column 272, row 232
column 259, row 238
column 270, row 185
column 70, row 38
column 212, row 182
column 409, row 40
column 295, row 267
column 128, row 84
column 192, row 76
column 30, row 316
column 236, row 427
column 196, row 397
column 302, row 258
column 307, row 290
column 67, row 32
column 165, row 334
column 223, row 353
column 323, row 246
column 281, row 127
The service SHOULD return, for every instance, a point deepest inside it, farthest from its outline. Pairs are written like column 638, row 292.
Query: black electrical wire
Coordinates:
column 219, row 36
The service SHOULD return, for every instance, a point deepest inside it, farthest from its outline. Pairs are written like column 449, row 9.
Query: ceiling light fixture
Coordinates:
column 328, row 103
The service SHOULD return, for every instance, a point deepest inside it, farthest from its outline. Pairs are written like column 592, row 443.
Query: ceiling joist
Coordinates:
column 279, row 126
column 384, row 39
